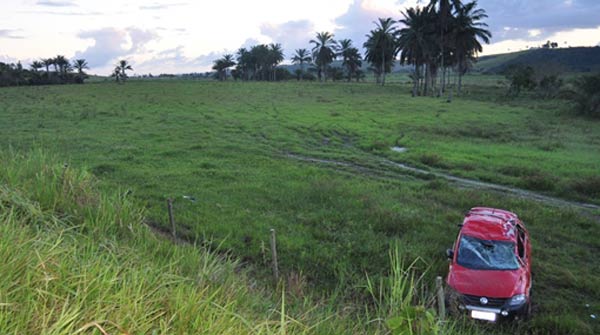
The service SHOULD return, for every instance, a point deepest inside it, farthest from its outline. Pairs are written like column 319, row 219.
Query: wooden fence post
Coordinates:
column 171, row 218
column 274, row 255
column 440, row 298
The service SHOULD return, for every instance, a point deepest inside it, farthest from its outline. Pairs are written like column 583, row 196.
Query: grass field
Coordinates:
column 228, row 146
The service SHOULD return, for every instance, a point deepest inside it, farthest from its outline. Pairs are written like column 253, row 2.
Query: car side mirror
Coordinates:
column 449, row 254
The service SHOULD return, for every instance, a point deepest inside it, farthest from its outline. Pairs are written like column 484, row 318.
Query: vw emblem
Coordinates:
column 483, row 300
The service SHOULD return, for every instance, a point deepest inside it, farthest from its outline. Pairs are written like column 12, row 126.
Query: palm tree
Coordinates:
column 119, row 72
column 351, row 59
column 381, row 46
column 444, row 15
column 47, row 63
column 323, row 52
column 61, row 64
column 244, row 63
column 222, row 64
column 80, row 65
column 416, row 42
column 275, row 57
column 116, row 73
column 301, row 57
column 36, row 65
column 466, row 32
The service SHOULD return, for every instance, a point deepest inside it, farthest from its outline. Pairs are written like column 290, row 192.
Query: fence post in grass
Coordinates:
column 274, row 255
column 440, row 298
column 64, row 172
column 171, row 218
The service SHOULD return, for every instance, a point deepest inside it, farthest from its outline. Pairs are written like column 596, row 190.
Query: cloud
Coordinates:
column 50, row 3
column 7, row 60
column 174, row 61
column 111, row 44
column 512, row 19
column 156, row 6
column 70, row 13
column 10, row 33
column 356, row 23
column 292, row 34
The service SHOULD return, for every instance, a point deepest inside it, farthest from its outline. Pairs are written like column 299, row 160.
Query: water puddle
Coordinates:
column 399, row 149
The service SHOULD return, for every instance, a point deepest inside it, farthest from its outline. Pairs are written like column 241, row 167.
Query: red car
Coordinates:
column 490, row 266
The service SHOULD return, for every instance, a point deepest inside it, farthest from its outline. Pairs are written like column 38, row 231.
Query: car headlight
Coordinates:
column 518, row 299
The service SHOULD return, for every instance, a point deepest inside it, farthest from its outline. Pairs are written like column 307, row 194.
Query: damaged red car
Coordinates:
column 490, row 266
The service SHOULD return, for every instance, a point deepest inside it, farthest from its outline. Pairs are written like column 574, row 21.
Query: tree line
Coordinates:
column 56, row 70
column 46, row 71
column 442, row 36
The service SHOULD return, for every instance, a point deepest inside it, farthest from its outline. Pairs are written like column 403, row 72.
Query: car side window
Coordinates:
column 521, row 243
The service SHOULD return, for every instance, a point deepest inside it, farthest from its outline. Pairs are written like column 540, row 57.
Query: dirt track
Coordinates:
column 396, row 168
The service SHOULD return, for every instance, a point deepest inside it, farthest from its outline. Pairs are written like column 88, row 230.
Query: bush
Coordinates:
column 520, row 77
column 586, row 95
column 549, row 86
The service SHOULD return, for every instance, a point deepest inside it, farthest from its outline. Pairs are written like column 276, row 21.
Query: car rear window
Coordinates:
column 477, row 254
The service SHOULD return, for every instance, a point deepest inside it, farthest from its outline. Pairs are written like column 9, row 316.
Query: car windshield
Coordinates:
column 477, row 254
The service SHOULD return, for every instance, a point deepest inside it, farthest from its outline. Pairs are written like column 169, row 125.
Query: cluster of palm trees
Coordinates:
column 259, row 62
column 444, row 35
column 56, row 70
column 440, row 38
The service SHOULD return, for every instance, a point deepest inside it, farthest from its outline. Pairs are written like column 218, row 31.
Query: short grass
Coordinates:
column 227, row 145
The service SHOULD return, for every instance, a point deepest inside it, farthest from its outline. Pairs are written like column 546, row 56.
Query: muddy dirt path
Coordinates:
column 462, row 182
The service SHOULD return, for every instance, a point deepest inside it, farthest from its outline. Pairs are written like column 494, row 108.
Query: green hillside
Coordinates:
column 580, row 59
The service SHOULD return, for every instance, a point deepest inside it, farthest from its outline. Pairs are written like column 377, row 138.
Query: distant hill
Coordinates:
column 580, row 59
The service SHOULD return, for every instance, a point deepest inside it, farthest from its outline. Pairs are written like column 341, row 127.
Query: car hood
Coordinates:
column 489, row 283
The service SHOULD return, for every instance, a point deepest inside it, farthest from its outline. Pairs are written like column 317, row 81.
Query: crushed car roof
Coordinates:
column 490, row 224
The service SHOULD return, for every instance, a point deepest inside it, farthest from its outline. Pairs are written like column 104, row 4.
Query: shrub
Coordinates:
column 549, row 86
column 586, row 95
column 589, row 186
column 520, row 77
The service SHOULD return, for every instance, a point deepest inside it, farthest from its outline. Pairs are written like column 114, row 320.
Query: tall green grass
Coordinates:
column 77, row 260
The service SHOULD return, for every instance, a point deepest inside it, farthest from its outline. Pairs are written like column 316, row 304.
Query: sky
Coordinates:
column 180, row 36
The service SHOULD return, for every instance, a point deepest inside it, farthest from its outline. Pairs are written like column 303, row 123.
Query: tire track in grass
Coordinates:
column 462, row 182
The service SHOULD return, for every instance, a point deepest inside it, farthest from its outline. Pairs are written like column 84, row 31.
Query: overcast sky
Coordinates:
column 186, row 36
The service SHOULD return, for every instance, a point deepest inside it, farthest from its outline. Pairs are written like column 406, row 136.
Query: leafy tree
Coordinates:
column 324, row 52
column 382, row 47
column 301, row 57
column 466, row 32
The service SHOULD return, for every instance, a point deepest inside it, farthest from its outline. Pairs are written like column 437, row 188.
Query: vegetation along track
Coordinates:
column 462, row 182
